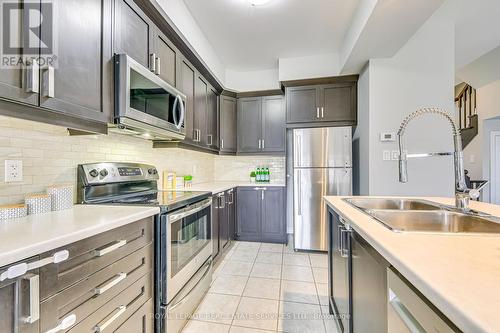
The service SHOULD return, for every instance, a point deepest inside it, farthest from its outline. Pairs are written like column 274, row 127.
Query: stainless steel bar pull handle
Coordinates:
column 317, row 112
column 158, row 66
column 20, row 269
column 152, row 62
column 64, row 324
column 32, row 75
column 108, row 321
column 322, row 112
column 111, row 248
column 222, row 143
column 210, row 139
column 260, row 144
column 410, row 322
column 48, row 82
column 102, row 289
column 263, row 144
column 34, row 301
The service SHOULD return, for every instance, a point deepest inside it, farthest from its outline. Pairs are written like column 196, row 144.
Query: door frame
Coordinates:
column 494, row 175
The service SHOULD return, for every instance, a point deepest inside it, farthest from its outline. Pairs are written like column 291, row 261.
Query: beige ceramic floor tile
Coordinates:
column 320, row 275
column 269, row 271
column 236, row 268
column 237, row 329
column 268, row 247
column 298, row 291
column 217, row 308
column 244, row 255
column 269, row 258
column 329, row 320
column 229, row 285
column 300, row 318
column 195, row 326
column 322, row 293
column 248, row 245
column 319, row 260
column 297, row 273
column 297, row 259
column 262, row 288
column 257, row 313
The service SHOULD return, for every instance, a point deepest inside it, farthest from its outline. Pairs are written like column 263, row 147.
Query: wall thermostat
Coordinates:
column 388, row 137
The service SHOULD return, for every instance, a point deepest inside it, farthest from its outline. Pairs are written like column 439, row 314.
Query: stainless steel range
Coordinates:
column 183, row 245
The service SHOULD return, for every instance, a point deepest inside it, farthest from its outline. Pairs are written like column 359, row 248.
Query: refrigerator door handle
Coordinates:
column 299, row 194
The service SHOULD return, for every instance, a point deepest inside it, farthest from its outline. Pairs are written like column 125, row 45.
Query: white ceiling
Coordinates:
column 250, row 38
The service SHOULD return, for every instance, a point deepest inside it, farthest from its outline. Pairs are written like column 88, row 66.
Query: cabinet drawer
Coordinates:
column 113, row 314
column 140, row 322
column 92, row 254
column 89, row 294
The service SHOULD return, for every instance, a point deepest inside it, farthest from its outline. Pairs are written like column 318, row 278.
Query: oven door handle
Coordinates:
column 183, row 300
column 175, row 217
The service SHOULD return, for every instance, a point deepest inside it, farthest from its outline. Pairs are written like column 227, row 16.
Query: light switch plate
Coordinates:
column 395, row 155
column 13, row 171
column 386, row 155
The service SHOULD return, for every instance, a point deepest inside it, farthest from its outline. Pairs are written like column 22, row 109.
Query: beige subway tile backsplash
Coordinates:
column 50, row 156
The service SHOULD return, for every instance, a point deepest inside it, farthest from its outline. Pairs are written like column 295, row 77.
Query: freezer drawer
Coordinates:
column 327, row 147
column 310, row 185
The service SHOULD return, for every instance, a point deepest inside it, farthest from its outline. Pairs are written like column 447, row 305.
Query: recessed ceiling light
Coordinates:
column 258, row 2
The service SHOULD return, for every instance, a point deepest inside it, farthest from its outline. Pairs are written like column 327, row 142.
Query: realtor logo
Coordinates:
column 27, row 34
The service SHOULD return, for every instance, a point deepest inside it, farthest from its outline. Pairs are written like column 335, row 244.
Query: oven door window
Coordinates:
column 189, row 236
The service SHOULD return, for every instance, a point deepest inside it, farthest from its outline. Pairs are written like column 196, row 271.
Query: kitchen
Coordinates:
column 176, row 168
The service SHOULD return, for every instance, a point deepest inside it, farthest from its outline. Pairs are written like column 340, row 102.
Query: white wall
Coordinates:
column 489, row 126
column 177, row 11
column 413, row 78
column 488, row 106
column 252, row 80
column 308, row 67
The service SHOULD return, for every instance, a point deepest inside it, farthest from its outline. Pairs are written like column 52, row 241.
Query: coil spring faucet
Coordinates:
column 462, row 193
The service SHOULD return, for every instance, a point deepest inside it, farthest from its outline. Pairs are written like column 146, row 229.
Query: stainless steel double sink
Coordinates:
column 410, row 215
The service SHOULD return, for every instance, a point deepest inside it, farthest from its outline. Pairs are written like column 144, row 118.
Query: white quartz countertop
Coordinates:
column 459, row 274
column 216, row 187
column 35, row 234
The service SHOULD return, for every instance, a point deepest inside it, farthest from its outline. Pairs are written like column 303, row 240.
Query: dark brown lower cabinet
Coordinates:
column 261, row 214
column 223, row 221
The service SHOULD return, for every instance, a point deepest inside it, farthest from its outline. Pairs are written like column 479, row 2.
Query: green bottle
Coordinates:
column 258, row 177
column 268, row 175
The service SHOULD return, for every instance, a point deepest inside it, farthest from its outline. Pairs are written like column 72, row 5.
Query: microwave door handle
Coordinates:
column 178, row 104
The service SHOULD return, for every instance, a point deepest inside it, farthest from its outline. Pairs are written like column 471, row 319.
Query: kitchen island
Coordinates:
column 457, row 273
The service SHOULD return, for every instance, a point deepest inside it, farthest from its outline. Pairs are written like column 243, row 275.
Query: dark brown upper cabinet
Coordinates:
column 165, row 55
column 212, row 118
column 200, row 111
column 261, row 125
column 186, row 83
column 227, row 124
column 320, row 105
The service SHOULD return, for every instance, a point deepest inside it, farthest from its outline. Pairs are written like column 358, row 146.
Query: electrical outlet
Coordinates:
column 13, row 171
column 395, row 155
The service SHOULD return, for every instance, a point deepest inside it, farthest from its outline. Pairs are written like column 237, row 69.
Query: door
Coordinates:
column 75, row 84
column 216, row 217
column 227, row 124
column 273, row 124
column 212, row 119
column 166, row 58
column 224, row 221
column 133, row 32
column 231, row 198
column 200, row 111
column 339, row 272
column 249, row 125
column 310, row 185
column 19, row 303
column 494, row 168
column 273, row 215
column 20, row 84
column 249, row 214
column 187, row 80
column 322, row 147
column 302, row 104
column 337, row 103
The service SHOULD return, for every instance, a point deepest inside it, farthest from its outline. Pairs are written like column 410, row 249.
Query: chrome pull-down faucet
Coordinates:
column 462, row 193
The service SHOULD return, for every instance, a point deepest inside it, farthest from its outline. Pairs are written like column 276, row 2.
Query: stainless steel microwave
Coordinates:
column 145, row 104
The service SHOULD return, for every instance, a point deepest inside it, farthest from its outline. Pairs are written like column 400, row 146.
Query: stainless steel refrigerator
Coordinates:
column 322, row 165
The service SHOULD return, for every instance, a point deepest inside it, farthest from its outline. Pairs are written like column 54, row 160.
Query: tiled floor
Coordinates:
column 266, row 288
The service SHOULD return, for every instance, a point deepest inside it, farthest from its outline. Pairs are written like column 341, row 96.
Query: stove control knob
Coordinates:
column 103, row 173
column 93, row 173
column 152, row 171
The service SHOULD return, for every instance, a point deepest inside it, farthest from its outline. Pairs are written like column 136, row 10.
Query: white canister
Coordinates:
column 13, row 211
column 38, row 203
column 61, row 196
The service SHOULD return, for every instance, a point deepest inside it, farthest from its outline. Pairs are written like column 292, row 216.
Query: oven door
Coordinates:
column 146, row 102
column 188, row 245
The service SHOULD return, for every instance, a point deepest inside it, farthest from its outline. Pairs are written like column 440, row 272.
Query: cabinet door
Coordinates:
column 302, row 104
column 75, row 85
column 187, row 80
column 200, row 110
column 215, row 226
column 224, row 221
column 273, row 215
column 337, row 102
column 273, row 124
column 12, row 81
column 249, row 214
column 227, row 126
column 249, row 125
column 166, row 58
column 212, row 119
column 133, row 32
column 232, row 213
